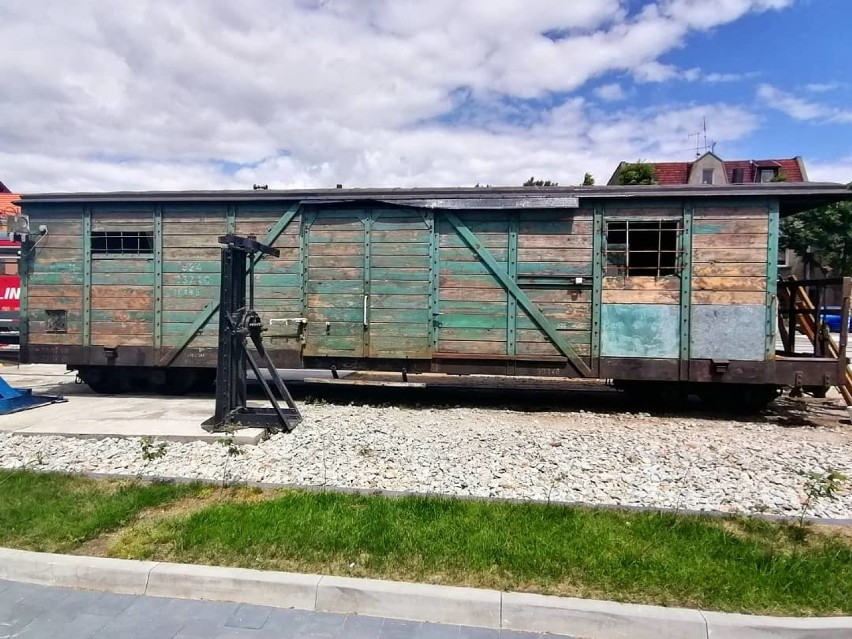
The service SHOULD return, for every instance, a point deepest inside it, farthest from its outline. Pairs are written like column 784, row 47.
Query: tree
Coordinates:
column 533, row 182
column 637, row 173
column 588, row 180
column 823, row 235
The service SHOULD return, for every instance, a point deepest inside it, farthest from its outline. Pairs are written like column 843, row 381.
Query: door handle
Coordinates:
column 366, row 297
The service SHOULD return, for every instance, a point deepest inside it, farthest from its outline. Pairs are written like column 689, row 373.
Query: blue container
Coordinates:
column 831, row 316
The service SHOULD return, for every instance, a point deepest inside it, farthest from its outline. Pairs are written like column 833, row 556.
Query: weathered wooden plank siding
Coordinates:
column 730, row 249
column 399, row 314
column 132, row 314
column 55, row 276
column 474, row 306
column 334, row 298
column 191, row 266
column 462, row 276
column 192, row 262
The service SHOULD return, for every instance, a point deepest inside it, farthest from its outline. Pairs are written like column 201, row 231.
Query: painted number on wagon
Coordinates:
column 191, row 279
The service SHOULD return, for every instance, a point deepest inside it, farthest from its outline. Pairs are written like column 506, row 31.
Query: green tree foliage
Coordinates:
column 533, row 182
column 588, row 180
column 637, row 173
column 823, row 235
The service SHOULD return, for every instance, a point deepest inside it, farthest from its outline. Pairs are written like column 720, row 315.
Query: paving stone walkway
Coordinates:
column 39, row 612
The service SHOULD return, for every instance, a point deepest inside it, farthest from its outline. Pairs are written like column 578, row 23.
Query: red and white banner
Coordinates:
column 10, row 293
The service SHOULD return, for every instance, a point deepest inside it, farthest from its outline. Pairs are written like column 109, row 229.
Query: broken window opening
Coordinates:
column 57, row 321
column 643, row 249
column 122, row 242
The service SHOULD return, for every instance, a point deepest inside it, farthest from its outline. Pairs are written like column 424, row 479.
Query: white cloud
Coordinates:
column 822, row 87
column 728, row 77
column 610, row 92
column 658, row 72
column 209, row 93
column 800, row 108
column 831, row 171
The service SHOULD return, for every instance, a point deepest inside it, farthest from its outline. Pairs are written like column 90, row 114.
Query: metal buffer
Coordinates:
column 239, row 323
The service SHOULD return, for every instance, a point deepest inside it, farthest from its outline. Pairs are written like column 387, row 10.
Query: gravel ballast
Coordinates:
column 630, row 459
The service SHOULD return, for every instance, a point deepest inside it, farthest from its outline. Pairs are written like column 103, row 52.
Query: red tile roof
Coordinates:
column 6, row 206
column 669, row 173
column 750, row 168
column 672, row 172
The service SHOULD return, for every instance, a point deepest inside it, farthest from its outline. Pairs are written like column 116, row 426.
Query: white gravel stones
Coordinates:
column 620, row 459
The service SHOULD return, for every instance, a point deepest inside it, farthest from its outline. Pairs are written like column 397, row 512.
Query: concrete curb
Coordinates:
column 401, row 600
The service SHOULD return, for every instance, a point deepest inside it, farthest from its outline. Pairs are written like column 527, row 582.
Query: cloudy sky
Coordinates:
column 102, row 95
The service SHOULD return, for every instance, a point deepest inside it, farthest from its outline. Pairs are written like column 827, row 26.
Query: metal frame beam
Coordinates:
column 87, row 276
column 512, row 303
column 598, row 266
column 685, row 289
column 158, row 276
column 772, row 278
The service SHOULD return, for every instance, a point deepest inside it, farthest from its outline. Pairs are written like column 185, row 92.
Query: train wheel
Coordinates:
column 739, row 398
column 104, row 380
column 656, row 394
column 174, row 381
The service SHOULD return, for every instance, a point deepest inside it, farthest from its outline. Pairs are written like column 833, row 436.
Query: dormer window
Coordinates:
column 768, row 174
column 707, row 176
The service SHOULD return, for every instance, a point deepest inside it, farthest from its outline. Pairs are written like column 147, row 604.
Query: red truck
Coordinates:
column 10, row 294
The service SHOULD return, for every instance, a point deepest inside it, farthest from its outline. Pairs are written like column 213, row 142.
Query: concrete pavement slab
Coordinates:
column 599, row 619
column 114, row 575
column 732, row 626
column 258, row 587
column 400, row 600
column 88, row 415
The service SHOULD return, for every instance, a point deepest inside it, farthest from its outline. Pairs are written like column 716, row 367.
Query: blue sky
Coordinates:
column 312, row 93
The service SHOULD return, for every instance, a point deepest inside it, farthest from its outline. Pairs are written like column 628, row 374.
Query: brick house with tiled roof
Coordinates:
column 711, row 169
column 6, row 206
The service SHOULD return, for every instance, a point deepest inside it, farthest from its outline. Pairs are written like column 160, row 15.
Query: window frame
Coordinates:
column 771, row 170
column 143, row 240
column 662, row 270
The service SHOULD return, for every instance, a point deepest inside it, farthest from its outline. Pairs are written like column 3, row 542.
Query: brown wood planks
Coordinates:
column 729, row 284
column 622, row 296
column 728, row 297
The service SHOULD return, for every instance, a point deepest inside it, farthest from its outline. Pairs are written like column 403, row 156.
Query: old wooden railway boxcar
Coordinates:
column 662, row 284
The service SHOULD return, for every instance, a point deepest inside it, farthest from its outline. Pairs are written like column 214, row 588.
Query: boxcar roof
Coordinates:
column 793, row 197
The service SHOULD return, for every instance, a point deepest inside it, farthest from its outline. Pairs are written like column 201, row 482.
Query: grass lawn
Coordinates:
column 58, row 513
column 732, row 564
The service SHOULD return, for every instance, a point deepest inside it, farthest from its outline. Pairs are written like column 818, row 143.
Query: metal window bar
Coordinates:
column 625, row 258
column 122, row 242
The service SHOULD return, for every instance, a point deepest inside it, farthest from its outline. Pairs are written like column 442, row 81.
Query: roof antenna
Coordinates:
column 698, row 138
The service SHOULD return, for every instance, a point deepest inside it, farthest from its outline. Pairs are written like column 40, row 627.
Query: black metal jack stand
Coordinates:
column 238, row 323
